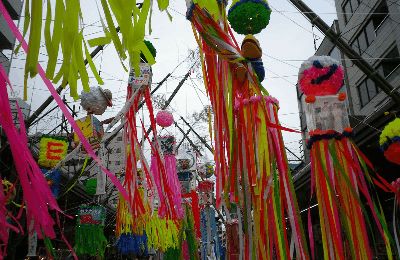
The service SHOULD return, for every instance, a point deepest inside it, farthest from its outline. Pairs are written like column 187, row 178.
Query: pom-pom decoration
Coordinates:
column 321, row 76
column 96, row 100
column 90, row 186
column 52, row 150
column 206, row 170
column 89, row 235
column 151, row 48
column 164, row 118
column 249, row 16
column 390, row 141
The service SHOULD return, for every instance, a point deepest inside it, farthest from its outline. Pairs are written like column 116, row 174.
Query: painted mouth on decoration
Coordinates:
column 332, row 70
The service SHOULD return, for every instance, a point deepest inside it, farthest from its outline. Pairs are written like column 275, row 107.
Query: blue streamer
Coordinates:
column 133, row 244
column 208, row 218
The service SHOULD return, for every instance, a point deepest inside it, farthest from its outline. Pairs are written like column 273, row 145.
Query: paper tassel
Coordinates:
column 340, row 181
column 36, row 193
column 89, row 235
column 133, row 244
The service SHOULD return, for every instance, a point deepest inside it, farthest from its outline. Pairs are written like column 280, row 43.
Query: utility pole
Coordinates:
column 362, row 64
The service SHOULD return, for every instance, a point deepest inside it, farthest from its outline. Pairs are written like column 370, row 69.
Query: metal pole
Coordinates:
column 190, row 141
column 198, row 136
column 362, row 64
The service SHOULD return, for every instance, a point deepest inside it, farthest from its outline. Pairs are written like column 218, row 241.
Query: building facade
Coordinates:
column 7, row 39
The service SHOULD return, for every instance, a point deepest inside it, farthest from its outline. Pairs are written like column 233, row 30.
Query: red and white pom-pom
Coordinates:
column 164, row 118
column 321, row 76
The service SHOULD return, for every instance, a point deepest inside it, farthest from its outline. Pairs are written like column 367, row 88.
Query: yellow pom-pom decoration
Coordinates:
column 52, row 151
column 390, row 141
column 390, row 132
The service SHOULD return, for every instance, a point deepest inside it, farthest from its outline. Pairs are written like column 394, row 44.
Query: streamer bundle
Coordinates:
column 251, row 164
column 89, row 236
column 339, row 171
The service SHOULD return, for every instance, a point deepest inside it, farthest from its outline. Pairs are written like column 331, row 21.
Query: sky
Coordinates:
column 286, row 42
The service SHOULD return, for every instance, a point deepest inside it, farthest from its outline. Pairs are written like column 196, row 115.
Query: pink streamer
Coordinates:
column 62, row 106
column 36, row 191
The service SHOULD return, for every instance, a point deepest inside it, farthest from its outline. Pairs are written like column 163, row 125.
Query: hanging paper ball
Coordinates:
column 151, row 48
column 90, row 186
column 206, row 170
column 249, row 16
column 321, row 76
column 164, row 118
column 96, row 100
column 390, row 141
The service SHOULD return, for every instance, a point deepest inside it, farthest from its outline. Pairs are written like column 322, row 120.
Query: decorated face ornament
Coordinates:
column 321, row 76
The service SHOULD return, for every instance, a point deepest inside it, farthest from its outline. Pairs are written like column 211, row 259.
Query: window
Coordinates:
column 380, row 15
column 349, row 8
column 367, row 90
column 117, row 163
column 119, row 138
column 118, row 150
column 364, row 39
column 390, row 66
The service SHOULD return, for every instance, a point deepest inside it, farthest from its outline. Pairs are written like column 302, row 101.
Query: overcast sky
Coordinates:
column 286, row 42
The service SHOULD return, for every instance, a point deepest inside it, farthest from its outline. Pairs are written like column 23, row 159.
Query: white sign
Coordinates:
column 143, row 78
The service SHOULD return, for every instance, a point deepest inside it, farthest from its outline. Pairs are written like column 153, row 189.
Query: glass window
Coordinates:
column 347, row 10
column 119, row 138
column 370, row 32
column 363, row 93
column 372, row 91
column 355, row 46
column 391, row 62
column 118, row 150
column 380, row 15
column 362, row 42
column 354, row 5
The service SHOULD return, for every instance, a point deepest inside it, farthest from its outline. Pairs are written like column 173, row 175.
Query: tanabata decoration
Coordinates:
column 52, row 150
column 91, row 186
column 53, row 178
column 396, row 229
column 390, row 141
column 96, row 100
column 206, row 170
column 92, row 129
column 37, row 197
column 63, row 35
column 89, row 234
column 251, row 166
column 249, row 16
column 160, row 234
column 189, row 244
column 7, row 192
column 340, row 178
column 232, row 240
column 166, row 179
column 164, row 118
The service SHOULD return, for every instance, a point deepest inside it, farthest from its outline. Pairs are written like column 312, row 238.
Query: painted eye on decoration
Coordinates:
column 320, row 76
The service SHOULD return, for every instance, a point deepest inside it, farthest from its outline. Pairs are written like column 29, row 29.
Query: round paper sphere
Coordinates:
column 249, row 16
column 151, row 48
column 390, row 141
column 206, row 170
column 321, row 76
column 96, row 100
column 90, row 186
column 164, row 118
